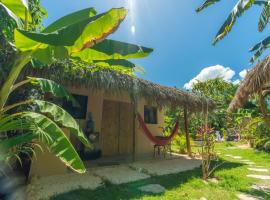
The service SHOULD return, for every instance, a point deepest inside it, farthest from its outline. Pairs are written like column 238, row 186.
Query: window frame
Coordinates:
column 147, row 110
column 83, row 115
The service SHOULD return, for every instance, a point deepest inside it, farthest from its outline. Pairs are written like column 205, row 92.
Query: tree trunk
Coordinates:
column 187, row 133
column 263, row 107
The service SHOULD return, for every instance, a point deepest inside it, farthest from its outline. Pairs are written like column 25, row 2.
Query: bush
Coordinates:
column 179, row 143
column 266, row 146
column 260, row 143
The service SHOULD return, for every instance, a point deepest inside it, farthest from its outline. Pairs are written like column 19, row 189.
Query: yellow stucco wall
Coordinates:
column 48, row 164
column 143, row 146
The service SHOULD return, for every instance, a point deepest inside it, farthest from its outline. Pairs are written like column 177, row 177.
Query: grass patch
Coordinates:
column 188, row 185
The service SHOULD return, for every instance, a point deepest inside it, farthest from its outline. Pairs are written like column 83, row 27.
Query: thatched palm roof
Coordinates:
column 255, row 81
column 114, row 82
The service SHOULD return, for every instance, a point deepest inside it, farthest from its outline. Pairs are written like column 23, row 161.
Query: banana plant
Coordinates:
column 79, row 36
column 43, row 124
column 237, row 11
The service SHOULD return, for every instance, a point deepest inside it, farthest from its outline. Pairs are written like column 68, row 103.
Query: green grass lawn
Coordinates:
column 189, row 185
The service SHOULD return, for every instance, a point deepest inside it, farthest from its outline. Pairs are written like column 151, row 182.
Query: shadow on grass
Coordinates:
column 131, row 191
column 258, row 193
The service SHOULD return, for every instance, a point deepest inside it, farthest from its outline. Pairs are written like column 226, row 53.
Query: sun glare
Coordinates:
column 133, row 29
column 131, row 6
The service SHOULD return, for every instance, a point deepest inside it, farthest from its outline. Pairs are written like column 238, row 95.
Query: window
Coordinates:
column 150, row 115
column 77, row 112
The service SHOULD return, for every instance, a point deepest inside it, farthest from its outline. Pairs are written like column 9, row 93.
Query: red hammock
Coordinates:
column 155, row 139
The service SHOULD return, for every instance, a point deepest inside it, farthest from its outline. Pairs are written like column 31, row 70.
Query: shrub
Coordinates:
column 260, row 143
column 180, row 143
column 266, row 146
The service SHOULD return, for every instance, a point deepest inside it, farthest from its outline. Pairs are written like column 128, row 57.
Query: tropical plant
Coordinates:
column 238, row 10
column 221, row 92
column 79, row 36
column 180, row 143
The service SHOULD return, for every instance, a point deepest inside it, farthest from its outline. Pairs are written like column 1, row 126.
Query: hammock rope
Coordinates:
column 162, row 141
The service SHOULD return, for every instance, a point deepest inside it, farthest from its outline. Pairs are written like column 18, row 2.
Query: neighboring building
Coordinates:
column 111, row 101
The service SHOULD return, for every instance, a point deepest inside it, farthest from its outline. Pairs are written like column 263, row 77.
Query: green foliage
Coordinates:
column 221, row 92
column 264, row 17
column 180, row 144
column 238, row 10
column 58, row 142
column 61, row 40
column 54, row 88
column 259, row 48
column 206, row 4
column 266, row 146
column 62, row 117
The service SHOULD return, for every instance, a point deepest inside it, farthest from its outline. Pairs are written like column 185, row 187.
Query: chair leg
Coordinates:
column 164, row 151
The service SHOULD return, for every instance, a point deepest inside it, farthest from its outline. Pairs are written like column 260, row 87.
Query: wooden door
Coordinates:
column 117, row 128
column 126, row 129
column 110, row 127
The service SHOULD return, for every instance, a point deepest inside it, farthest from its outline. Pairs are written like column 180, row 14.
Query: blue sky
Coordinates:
column 181, row 38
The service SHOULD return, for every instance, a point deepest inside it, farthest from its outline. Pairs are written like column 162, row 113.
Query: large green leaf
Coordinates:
column 52, row 87
column 77, row 35
column 51, row 54
column 8, row 143
column 111, row 49
column 259, row 48
column 264, row 17
column 238, row 10
column 72, row 18
column 13, row 122
column 206, row 4
column 125, row 64
column 60, row 144
column 17, row 7
column 63, row 118
column 12, row 15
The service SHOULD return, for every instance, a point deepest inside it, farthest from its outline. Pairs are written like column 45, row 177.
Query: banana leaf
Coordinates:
column 75, row 35
column 112, row 49
column 206, row 4
column 259, row 48
column 54, row 88
column 63, row 118
column 8, row 143
column 124, row 64
column 238, row 10
column 12, row 15
column 60, row 144
column 264, row 17
column 16, row 9
column 72, row 18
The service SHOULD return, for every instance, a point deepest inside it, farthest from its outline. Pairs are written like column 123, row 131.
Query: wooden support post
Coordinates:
column 134, row 131
column 263, row 107
column 187, row 133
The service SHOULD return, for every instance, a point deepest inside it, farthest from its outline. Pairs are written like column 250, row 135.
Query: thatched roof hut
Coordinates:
column 256, row 81
column 114, row 82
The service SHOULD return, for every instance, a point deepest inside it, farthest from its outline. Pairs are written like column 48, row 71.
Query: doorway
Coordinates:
column 117, row 128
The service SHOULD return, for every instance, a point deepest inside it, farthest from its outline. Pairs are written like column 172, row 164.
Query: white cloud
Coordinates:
column 243, row 73
column 216, row 71
column 235, row 82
